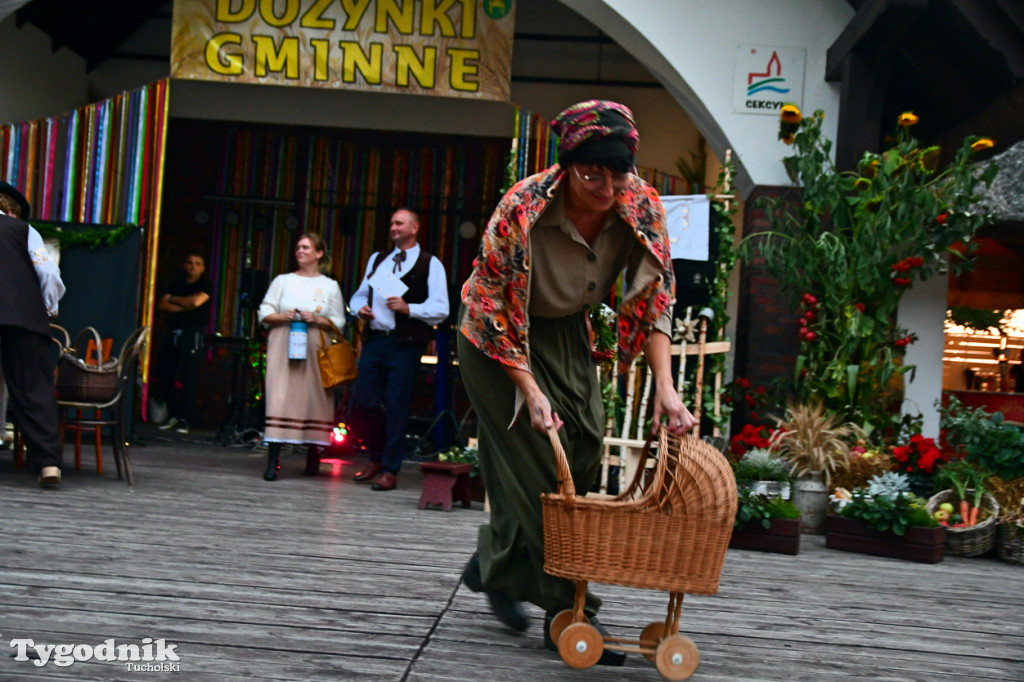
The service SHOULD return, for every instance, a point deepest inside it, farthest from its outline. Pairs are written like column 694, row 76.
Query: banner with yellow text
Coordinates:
column 449, row 48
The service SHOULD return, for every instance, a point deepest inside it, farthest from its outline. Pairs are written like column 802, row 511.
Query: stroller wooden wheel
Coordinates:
column 652, row 636
column 677, row 657
column 580, row 645
column 560, row 622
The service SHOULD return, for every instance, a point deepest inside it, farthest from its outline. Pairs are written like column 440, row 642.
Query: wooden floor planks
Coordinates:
column 324, row 579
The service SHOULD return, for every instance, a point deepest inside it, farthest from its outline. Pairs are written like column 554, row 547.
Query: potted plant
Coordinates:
column 762, row 472
column 886, row 519
column 816, row 446
column 766, row 524
column 919, row 459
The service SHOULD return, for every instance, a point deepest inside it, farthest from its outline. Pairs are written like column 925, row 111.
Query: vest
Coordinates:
column 408, row 330
column 21, row 301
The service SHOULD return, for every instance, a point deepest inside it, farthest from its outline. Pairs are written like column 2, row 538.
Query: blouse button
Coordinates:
column 591, row 257
column 591, row 286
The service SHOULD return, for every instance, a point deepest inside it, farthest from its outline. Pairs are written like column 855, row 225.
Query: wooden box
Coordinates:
column 925, row 545
column 782, row 537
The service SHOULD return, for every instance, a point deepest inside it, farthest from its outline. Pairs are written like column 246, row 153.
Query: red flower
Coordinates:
column 859, row 306
column 915, row 261
column 760, row 390
column 749, row 400
column 901, row 281
column 941, row 218
column 755, row 416
column 902, row 266
column 743, row 382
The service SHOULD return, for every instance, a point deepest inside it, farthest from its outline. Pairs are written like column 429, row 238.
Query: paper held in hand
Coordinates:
column 386, row 284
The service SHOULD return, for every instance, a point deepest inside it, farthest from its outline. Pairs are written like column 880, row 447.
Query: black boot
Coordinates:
column 273, row 462
column 312, row 461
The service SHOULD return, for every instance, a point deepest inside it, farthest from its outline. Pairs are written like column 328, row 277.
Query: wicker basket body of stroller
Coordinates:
column 668, row 531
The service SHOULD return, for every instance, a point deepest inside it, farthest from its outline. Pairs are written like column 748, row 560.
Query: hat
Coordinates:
column 17, row 196
column 596, row 131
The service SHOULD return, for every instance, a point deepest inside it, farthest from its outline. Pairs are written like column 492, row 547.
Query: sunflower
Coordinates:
column 786, row 137
column 790, row 114
column 862, row 184
column 907, row 119
column 982, row 144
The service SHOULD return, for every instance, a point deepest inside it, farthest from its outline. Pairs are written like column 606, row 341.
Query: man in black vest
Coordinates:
column 395, row 333
column 29, row 289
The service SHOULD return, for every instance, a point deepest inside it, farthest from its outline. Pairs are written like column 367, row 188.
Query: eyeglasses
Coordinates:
column 595, row 181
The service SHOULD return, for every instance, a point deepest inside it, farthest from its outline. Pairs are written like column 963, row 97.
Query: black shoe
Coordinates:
column 312, row 461
column 612, row 658
column 507, row 610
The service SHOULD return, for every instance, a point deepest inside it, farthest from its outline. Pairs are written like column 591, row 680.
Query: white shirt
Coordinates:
column 320, row 295
column 50, row 283
column 432, row 311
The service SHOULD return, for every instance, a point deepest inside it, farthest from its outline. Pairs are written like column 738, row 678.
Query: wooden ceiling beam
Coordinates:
column 874, row 22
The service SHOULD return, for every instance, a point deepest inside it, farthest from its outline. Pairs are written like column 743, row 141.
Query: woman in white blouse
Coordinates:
column 299, row 409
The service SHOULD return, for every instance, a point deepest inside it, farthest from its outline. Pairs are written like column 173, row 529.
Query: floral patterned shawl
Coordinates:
column 495, row 297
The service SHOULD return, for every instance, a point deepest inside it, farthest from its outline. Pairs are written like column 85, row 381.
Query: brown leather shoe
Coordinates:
column 386, row 481
column 369, row 473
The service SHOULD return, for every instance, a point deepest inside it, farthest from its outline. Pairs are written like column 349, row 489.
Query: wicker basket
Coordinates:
column 1011, row 543
column 78, row 382
column 668, row 531
column 975, row 540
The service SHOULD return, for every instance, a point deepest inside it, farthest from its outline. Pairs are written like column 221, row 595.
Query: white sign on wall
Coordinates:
column 766, row 78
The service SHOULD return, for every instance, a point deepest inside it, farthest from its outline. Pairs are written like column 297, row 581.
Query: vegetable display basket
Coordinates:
column 1011, row 543
column 975, row 540
column 668, row 531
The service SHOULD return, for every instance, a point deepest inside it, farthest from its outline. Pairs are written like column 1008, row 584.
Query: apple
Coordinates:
column 947, row 507
column 941, row 515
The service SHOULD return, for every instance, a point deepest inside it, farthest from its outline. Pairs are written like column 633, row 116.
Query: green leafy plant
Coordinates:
column 886, row 504
column 460, row 454
column 849, row 249
column 754, row 507
column 984, row 438
column 761, row 465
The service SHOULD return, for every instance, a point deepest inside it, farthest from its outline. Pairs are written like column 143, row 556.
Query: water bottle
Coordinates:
column 297, row 340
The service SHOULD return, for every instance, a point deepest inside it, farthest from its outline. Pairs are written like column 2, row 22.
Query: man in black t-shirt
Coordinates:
column 187, row 301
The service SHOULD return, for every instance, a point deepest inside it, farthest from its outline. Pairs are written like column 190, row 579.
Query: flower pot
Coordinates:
column 770, row 489
column 810, row 495
column 781, row 537
column 925, row 545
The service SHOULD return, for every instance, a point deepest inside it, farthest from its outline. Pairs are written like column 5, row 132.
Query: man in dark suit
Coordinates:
column 396, row 331
column 30, row 287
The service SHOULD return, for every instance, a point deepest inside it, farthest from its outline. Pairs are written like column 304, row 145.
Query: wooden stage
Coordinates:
column 324, row 579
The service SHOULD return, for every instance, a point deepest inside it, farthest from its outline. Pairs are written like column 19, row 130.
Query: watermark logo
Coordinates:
column 152, row 655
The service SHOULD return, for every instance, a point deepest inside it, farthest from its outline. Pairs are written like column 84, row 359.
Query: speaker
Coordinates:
column 253, row 287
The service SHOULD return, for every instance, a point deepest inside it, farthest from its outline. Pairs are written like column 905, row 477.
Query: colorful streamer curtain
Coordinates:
column 535, row 147
column 99, row 164
column 346, row 187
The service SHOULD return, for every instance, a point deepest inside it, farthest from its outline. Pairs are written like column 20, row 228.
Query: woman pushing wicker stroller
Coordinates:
column 555, row 245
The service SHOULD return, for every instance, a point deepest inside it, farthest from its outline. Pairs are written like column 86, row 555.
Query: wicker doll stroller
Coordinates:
column 668, row 531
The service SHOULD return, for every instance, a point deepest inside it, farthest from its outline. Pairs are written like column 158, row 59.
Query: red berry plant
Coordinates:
column 849, row 249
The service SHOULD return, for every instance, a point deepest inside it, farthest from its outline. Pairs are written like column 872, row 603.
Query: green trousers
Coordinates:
column 518, row 464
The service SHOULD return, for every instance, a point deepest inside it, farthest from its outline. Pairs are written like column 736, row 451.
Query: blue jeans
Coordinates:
column 387, row 370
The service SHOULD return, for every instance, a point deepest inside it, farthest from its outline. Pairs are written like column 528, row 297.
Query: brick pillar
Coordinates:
column 766, row 328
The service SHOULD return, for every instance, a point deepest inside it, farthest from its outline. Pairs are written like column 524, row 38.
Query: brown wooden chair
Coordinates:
column 126, row 364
